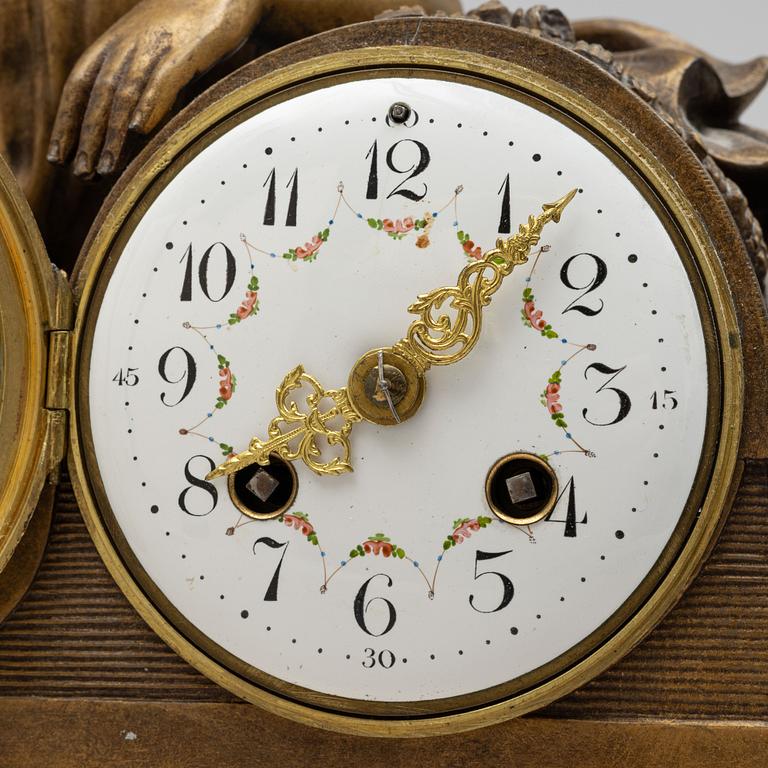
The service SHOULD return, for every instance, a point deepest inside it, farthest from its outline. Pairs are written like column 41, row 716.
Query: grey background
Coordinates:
column 735, row 31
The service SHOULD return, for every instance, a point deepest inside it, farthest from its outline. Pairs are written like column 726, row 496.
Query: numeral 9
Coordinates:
column 188, row 375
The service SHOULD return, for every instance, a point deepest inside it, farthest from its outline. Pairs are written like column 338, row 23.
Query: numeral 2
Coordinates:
column 601, row 272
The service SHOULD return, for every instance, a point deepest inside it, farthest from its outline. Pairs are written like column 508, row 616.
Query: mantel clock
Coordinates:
column 405, row 379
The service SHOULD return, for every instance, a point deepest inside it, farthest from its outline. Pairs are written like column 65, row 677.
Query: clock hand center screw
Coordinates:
column 399, row 113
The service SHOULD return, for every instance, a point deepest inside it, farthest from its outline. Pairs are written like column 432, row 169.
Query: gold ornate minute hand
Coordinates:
column 434, row 338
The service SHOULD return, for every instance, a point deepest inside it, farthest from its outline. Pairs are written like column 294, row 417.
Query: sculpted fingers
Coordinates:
column 74, row 99
column 94, row 125
column 128, row 90
column 161, row 90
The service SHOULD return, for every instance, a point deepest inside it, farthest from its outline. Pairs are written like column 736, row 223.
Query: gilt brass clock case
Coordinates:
column 558, row 82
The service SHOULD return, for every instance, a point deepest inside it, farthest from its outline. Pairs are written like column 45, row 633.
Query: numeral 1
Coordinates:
column 505, row 226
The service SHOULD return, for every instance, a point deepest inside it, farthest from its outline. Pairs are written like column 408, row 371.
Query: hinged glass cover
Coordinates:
column 34, row 299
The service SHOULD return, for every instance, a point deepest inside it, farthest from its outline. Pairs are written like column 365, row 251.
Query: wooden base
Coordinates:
column 81, row 734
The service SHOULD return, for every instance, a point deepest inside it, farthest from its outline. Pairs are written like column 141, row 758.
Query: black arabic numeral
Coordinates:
column 413, row 171
column 188, row 375
column 186, row 286
column 505, row 225
column 198, row 482
column 667, row 400
column 293, row 201
column 385, row 659
column 601, row 272
column 509, row 589
column 361, row 606
column 269, row 209
column 230, row 271
column 270, row 595
column 129, row 378
column 570, row 516
column 372, row 192
column 625, row 404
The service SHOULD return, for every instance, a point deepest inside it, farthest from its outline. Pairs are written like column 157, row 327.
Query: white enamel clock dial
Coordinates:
column 301, row 235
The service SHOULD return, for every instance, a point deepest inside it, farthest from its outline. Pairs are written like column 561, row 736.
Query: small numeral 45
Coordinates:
column 127, row 377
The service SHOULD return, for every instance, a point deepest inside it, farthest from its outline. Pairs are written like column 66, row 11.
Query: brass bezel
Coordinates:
column 545, row 510
column 713, row 487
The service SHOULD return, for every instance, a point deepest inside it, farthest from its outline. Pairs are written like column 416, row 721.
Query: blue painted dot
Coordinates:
column 455, row 223
column 322, row 554
column 359, row 215
column 209, row 415
column 273, row 255
column 210, row 346
column 527, row 279
column 439, row 558
column 557, row 453
column 218, row 325
column 568, row 435
column 564, row 341
column 330, row 221
column 435, row 214
column 563, row 362
column 415, row 564
column 343, row 562
column 210, row 439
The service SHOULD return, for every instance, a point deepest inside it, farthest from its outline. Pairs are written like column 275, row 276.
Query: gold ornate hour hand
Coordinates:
column 434, row 338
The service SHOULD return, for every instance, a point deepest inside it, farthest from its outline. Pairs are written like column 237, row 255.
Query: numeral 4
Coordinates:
column 570, row 516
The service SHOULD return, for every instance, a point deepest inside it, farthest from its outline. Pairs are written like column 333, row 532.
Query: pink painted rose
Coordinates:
column 474, row 252
column 552, row 395
column 388, row 225
column 535, row 316
column 377, row 547
column 246, row 307
column 464, row 531
column 406, row 225
column 225, row 385
column 299, row 524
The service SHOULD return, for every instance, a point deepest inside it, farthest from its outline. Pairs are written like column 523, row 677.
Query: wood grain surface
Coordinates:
column 75, row 635
column 79, row 734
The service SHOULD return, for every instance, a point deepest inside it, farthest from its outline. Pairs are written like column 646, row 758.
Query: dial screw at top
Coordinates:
column 399, row 112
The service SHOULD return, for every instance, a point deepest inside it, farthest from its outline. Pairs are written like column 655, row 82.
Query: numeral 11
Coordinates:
column 293, row 201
